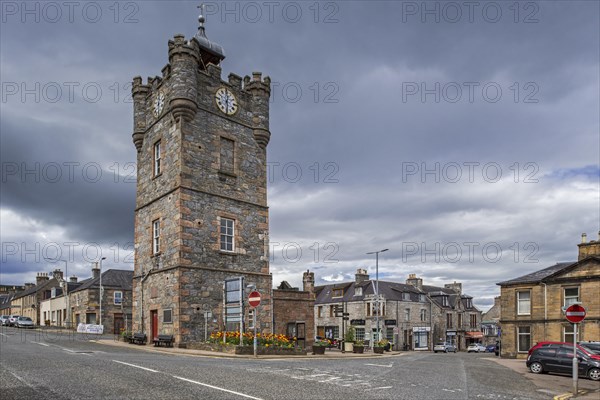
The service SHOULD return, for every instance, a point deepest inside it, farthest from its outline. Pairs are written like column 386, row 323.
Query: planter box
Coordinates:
column 378, row 350
column 318, row 350
column 358, row 349
column 348, row 346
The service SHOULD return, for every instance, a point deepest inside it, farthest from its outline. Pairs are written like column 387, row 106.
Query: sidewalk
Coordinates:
column 560, row 386
column 330, row 354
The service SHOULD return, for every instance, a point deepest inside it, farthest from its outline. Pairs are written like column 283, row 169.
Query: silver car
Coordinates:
column 24, row 322
column 3, row 320
column 444, row 347
column 12, row 320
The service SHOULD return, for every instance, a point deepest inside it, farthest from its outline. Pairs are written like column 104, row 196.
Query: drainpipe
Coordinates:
column 545, row 310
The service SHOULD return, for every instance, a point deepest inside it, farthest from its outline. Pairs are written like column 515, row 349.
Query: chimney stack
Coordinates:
column 73, row 279
column 414, row 281
column 361, row 276
column 456, row 286
column 29, row 285
column 41, row 277
column 57, row 274
column 586, row 249
column 308, row 281
column 95, row 271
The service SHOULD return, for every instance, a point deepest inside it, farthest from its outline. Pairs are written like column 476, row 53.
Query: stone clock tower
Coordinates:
column 201, row 212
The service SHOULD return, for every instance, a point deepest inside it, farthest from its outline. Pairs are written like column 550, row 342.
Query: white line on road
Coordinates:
column 42, row 344
column 135, row 366
column 4, row 334
column 381, row 365
column 382, row 387
column 217, row 388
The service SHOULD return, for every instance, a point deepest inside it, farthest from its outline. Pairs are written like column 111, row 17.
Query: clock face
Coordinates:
column 159, row 103
column 226, row 101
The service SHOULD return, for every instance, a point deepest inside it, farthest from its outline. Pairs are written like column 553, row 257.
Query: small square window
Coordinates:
column 167, row 316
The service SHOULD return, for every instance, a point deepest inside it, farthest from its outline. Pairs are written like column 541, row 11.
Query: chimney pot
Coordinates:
column 583, row 237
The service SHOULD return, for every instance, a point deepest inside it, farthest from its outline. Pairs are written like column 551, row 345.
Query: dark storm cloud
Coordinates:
column 346, row 131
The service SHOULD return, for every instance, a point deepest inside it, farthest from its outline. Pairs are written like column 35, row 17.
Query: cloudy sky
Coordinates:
column 463, row 137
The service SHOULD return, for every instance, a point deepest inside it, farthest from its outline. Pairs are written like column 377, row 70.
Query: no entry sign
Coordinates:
column 575, row 313
column 254, row 299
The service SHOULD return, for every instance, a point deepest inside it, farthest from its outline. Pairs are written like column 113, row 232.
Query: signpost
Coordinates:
column 575, row 314
column 254, row 301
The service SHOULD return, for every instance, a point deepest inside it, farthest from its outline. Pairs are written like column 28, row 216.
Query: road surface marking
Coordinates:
column 216, row 387
column 42, row 344
column 4, row 334
column 380, row 365
column 377, row 388
column 135, row 366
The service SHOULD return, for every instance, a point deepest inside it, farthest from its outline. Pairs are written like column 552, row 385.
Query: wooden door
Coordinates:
column 118, row 324
column 154, row 323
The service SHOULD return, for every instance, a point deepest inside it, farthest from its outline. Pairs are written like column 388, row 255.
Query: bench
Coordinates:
column 137, row 338
column 167, row 340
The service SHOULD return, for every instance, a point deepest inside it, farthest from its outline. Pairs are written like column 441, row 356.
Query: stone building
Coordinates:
column 490, row 324
column 27, row 302
column 454, row 317
column 404, row 319
column 7, row 293
column 201, row 212
column 293, row 310
column 532, row 305
column 116, row 300
column 54, row 310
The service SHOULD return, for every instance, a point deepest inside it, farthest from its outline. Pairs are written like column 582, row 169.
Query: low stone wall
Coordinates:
column 247, row 350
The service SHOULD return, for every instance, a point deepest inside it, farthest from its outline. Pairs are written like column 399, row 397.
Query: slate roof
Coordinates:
column 389, row 290
column 538, row 276
column 46, row 285
column 112, row 278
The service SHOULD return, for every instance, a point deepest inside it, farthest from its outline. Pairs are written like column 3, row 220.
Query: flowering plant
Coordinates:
column 381, row 343
column 266, row 340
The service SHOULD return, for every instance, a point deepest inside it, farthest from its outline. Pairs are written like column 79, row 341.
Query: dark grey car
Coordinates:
column 559, row 359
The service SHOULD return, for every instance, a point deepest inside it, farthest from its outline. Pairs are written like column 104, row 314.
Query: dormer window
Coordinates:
column 358, row 291
column 422, row 298
column 338, row 293
column 406, row 296
column 445, row 301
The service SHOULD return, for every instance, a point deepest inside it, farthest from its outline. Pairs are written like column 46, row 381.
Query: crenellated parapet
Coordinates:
column 183, row 61
column 140, row 93
column 260, row 89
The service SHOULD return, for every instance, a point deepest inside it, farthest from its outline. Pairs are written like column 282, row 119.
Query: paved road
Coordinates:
column 36, row 365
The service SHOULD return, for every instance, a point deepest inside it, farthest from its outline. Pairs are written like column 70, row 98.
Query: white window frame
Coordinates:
column 571, row 298
column 521, row 311
column 406, row 296
column 519, row 334
column 568, row 331
column 358, row 291
column 423, row 315
column 157, row 158
column 120, row 298
column 229, row 225
column 407, row 314
column 359, row 333
column 156, row 236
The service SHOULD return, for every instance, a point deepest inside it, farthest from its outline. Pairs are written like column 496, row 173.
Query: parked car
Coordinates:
column 584, row 349
column 4, row 320
column 593, row 346
column 490, row 348
column 475, row 348
column 559, row 359
column 444, row 347
column 12, row 320
column 24, row 322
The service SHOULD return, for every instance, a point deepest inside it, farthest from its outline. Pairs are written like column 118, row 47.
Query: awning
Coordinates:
column 475, row 334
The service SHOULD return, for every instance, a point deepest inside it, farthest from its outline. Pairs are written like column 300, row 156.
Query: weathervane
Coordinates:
column 201, row 18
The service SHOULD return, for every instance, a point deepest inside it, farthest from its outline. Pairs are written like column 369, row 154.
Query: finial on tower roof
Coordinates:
column 211, row 52
column 201, row 20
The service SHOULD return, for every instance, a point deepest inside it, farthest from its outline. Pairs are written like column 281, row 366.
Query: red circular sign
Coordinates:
column 575, row 313
column 254, row 299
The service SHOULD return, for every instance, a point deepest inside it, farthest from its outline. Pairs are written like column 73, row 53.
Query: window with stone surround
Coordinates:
column 359, row 334
column 568, row 333
column 423, row 315
column 571, row 296
column 227, row 232
column 473, row 320
column 167, row 316
column 449, row 321
column 157, row 158
column 460, row 320
column 407, row 314
column 227, row 156
column 523, row 339
column 320, row 311
column 118, row 298
column 332, row 311
column 524, row 302
column 156, row 236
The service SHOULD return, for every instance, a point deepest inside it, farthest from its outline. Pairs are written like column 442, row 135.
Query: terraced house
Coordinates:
column 532, row 305
column 411, row 315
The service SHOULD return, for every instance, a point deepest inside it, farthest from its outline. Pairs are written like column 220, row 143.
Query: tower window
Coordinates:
column 157, row 158
column 227, row 232
column 227, row 155
column 156, row 237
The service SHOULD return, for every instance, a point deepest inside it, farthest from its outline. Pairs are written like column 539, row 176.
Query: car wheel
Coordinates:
column 536, row 368
column 445, row 351
column 455, row 350
column 594, row 374
column 435, row 351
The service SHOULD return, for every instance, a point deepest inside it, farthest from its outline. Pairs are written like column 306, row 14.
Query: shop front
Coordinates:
column 421, row 337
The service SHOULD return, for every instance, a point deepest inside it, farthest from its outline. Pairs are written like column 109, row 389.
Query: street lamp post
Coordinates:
column 378, row 310
column 66, row 294
column 101, row 291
